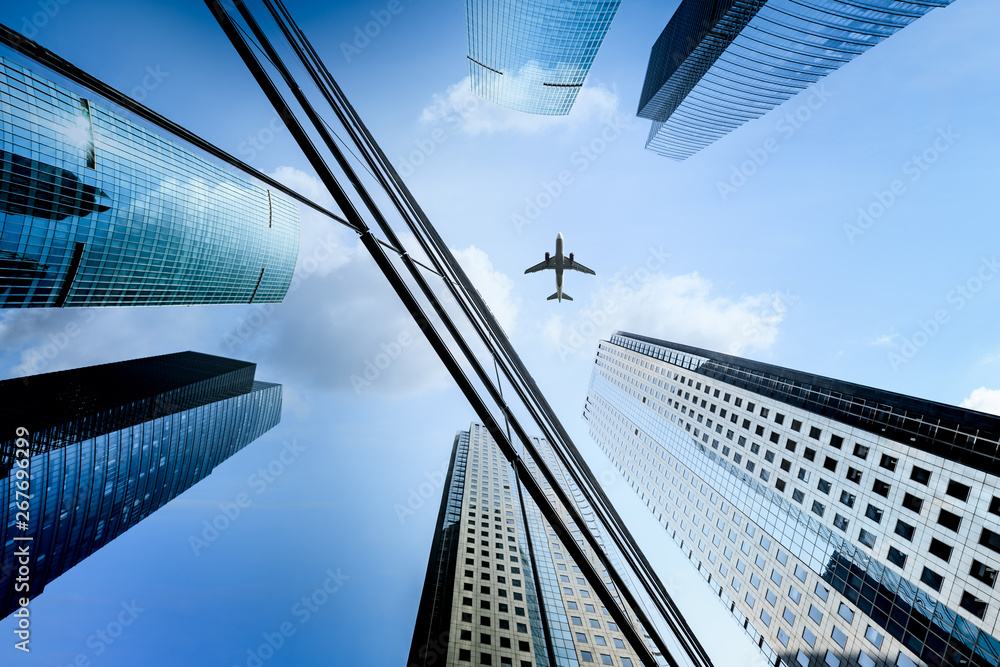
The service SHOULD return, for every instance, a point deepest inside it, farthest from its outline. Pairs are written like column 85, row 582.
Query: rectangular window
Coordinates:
column 840, row 522
column 995, row 505
column 920, row 475
column 973, row 604
column 836, row 441
column 779, row 484
column 940, row 549
column 990, row 539
column 904, row 530
column 815, row 614
column 860, row 451
column 830, row 464
column 866, row 538
column 949, row 520
column 958, row 490
column 881, row 488
column 854, row 475
column 796, row 425
column 803, row 474
column 798, row 496
column 818, row 508
column 897, row 557
column 984, row 573
column 932, row 579
column 847, row 498
column 774, row 437
column 888, row 462
column 874, row 513
column 814, row 432
column 824, row 486
column 912, row 503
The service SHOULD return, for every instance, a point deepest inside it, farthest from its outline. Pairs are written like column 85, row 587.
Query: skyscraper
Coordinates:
column 102, row 447
column 534, row 55
column 718, row 64
column 97, row 210
column 840, row 524
column 499, row 590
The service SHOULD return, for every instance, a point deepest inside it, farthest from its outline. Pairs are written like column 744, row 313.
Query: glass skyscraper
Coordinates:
column 499, row 589
column 97, row 210
column 840, row 524
column 534, row 55
column 108, row 445
column 720, row 63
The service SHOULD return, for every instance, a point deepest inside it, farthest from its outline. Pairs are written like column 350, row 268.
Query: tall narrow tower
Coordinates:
column 499, row 589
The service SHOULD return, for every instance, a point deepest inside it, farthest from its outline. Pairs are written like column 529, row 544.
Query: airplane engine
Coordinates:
column 571, row 258
column 546, row 257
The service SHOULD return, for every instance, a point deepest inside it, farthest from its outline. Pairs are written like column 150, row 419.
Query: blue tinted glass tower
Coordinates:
column 108, row 445
column 96, row 210
column 534, row 55
column 840, row 525
column 720, row 63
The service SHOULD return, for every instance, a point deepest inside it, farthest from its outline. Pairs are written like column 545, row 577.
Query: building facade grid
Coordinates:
column 829, row 504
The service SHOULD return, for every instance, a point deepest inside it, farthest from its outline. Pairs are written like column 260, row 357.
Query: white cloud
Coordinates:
column 305, row 184
column 495, row 287
column 471, row 114
column 883, row 340
column 984, row 400
column 684, row 308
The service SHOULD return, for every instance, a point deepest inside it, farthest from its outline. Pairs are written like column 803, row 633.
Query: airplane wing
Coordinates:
column 577, row 266
column 541, row 266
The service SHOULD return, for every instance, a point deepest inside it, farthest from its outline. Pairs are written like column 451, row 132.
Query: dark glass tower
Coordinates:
column 841, row 525
column 97, row 210
column 720, row 63
column 107, row 445
column 500, row 590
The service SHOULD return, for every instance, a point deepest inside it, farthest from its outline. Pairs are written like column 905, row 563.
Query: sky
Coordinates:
column 779, row 243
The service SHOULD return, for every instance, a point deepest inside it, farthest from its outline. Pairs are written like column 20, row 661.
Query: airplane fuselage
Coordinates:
column 559, row 261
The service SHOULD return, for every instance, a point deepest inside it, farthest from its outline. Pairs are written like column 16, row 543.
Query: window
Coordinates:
column 984, row 573
column 912, row 503
column 973, row 604
column 838, row 636
column 581, row 638
column 815, row 614
column 600, row 641
column 465, row 655
column 750, row 600
column 789, row 444
column 769, row 456
column 814, row 432
column 824, row 486
column 821, row 591
column 766, row 617
column 940, row 549
column 804, row 475
column 841, row 522
column 931, row 578
column 888, row 462
column 594, row 623
column 874, row 636
column 810, row 638
column 818, row 508
column 990, row 539
column 854, row 475
column 831, row 659
column 484, row 638
column 836, row 441
column 881, row 488
column 786, row 465
column 800, row 574
column 904, row 530
column 794, row 594
column 585, row 656
column 788, row 616
column 866, row 538
column 897, row 557
column 920, row 475
column 783, row 637
column 995, row 505
column 847, row 498
column 949, row 520
column 606, row 659
column 865, row 660
column 830, row 464
column 958, row 490
column 874, row 513
column 798, row 496
column 779, row 484
column 776, row 577
column 485, row 659
column 860, row 451
column 846, row 613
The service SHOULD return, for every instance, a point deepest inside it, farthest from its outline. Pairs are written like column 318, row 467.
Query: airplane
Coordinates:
column 32, row 188
column 559, row 263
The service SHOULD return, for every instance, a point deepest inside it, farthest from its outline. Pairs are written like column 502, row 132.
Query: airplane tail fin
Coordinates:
column 565, row 296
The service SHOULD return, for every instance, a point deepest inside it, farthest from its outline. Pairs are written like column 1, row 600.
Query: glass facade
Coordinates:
column 499, row 589
column 111, row 444
column 96, row 210
column 534, row 55
column 818, row 536
column 718, row 64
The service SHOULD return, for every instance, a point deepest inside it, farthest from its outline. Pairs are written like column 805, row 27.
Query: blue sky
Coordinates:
column 774, row 266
